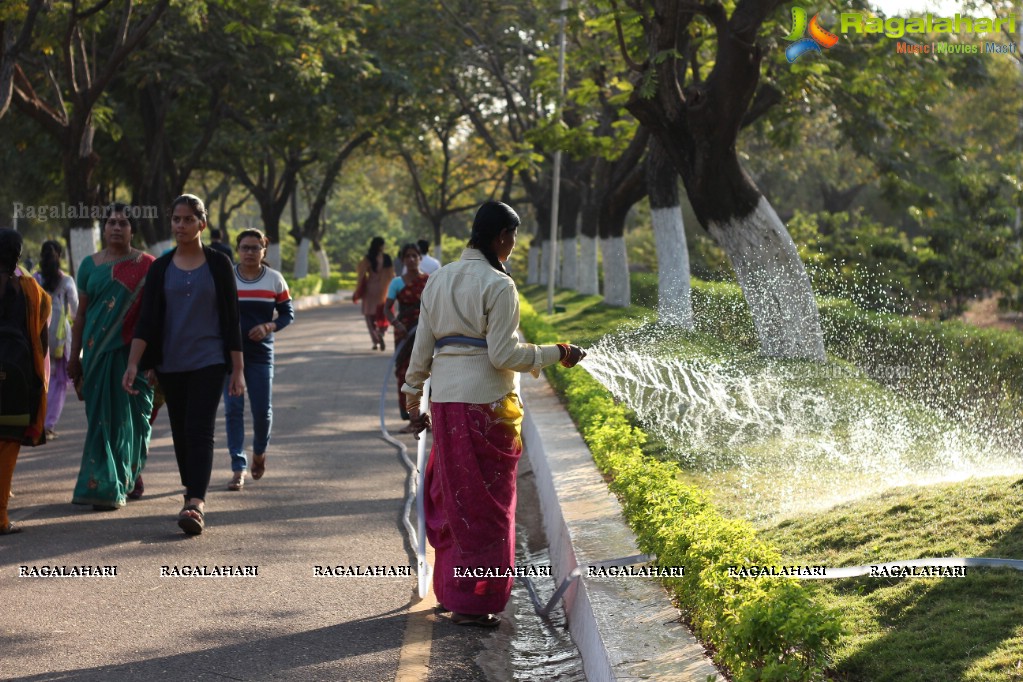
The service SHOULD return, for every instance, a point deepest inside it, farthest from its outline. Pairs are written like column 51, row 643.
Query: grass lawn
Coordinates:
column 908, row 629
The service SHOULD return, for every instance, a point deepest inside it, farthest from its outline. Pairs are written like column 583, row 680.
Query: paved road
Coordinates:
column 332, row 495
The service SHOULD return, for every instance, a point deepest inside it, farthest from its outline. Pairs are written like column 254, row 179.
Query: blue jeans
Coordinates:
column 259, row 381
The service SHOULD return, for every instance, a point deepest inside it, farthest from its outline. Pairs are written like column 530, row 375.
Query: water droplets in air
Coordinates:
column 774, row 437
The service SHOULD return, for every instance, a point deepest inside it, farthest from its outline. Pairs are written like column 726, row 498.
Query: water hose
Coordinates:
column 417, row 474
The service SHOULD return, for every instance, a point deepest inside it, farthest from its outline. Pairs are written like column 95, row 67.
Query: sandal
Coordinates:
column 10, row 529
column 136, row 492
column 192, row 520
column 238, row 482
column 258, row 466
column 485, row 620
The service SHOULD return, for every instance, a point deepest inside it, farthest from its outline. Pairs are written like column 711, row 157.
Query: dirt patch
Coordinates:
column 984, row 313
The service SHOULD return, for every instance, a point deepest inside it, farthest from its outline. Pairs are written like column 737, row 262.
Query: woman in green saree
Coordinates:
column 110, row 290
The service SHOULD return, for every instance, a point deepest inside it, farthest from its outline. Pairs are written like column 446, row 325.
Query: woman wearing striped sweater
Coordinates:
column 264, row 306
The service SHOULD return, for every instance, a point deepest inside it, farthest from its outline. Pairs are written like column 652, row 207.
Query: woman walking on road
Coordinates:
column 24, row 312
column 262, row 292
column 117, row 438
column 63, row 308
column 467, row 343
column 188, row 332
column 373, row 274
column 406, row 290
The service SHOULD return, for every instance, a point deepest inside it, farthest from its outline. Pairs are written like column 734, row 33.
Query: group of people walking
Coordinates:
column 190, row 321
column 205, row 328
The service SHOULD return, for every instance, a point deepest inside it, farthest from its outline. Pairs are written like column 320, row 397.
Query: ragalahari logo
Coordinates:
column 819, row 37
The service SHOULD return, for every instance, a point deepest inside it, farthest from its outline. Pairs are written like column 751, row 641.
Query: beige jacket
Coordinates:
column 470, row 298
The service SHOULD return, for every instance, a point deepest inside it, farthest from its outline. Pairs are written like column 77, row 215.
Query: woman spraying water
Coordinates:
column 467, row 344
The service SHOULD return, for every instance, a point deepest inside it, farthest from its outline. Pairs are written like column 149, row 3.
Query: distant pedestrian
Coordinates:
column 24, row 311
column 406, row 290
column 262, row 292
column 189, row 332
column 373, row 275
column 63, row 309
column 467, row 343
column 217, row 242
column 116, row 445
column 429, row 264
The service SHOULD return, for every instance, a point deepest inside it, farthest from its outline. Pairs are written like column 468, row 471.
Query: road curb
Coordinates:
column 625, row 628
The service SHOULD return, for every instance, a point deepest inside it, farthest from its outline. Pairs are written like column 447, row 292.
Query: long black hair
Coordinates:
column 11, row 245
column 491, row 218
column 376, row 245
column 49, row 264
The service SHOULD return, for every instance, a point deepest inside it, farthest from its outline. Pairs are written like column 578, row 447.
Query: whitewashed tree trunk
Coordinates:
column 774, row 282
column 588, row 281
column 617, row 288
column 85, row 241
column 533, row 276
column 569, row 276
column 302, row 258
column 273, row 256
column 324, row 262
column 674, row 296
column 545, row 261
column 161, row 247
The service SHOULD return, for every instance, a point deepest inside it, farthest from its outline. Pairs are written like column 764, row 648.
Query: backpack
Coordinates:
column 20, row 388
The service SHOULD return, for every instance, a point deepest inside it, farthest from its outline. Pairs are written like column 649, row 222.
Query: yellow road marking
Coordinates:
column 414, row 657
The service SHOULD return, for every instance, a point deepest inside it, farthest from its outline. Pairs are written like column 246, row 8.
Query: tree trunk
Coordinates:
column 273, row 255
column 302, row 258
column 619, row 185
column 774, row 282
column 588, row 282
column 545, row 262
column 617, row 287
column 569, row 276
column 674, row 299
column 698, row 125
column 84, row 241
column 533, row 260
column 323, row 262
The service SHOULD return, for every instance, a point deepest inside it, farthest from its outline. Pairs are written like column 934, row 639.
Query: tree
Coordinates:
column 93, row 45
column 450, row 171
column 15, row 38
column 310, row 234
column 674, row 300
column 697, row 117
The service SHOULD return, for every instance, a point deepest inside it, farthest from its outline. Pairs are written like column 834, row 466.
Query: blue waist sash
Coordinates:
column 467, row 340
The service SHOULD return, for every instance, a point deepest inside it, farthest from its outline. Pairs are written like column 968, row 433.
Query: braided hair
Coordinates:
column 491, row 219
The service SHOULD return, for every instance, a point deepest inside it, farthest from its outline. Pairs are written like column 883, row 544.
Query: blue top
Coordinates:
column 191, row 323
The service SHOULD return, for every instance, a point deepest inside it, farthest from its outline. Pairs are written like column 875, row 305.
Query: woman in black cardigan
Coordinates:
column 188, row 331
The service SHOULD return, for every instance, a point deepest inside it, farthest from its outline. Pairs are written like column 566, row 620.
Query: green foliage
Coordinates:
column 950, row 365
column 853, row 256
column 310, row 285
column 759, row 629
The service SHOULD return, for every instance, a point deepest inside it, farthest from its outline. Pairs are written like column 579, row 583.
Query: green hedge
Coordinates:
column 310, row 285
column 951, row 366
column 759, row 629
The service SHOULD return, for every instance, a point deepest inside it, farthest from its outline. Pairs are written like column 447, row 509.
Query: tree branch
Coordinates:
column 633, row 65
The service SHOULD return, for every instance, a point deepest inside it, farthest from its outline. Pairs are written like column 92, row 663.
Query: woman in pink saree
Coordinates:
column 467, row 343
